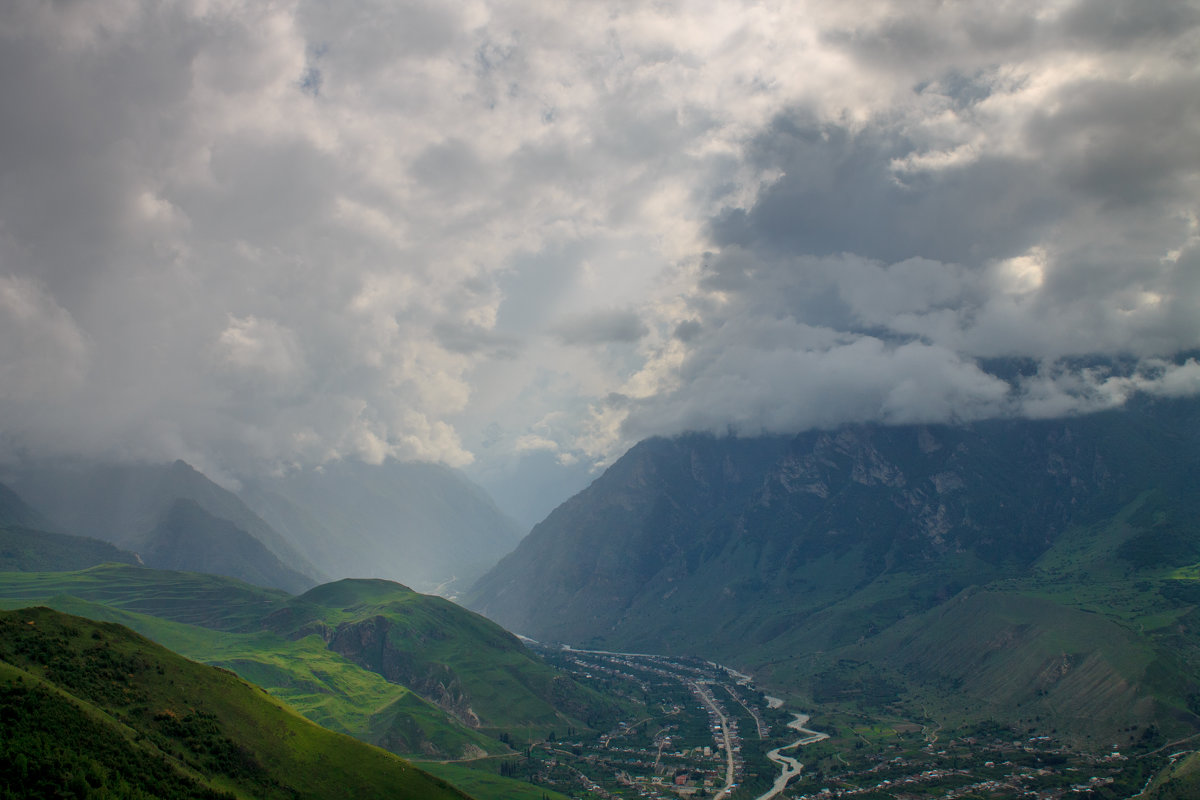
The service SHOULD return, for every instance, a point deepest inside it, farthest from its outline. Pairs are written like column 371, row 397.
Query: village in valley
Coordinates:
column 708, row 732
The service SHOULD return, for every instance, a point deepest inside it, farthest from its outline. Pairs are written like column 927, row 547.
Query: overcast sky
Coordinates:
column 522, row 236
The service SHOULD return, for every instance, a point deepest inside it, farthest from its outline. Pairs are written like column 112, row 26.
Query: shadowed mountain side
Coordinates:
column 26, row 550
column 725, row 519
column 16, row 512
column 94, row 707
column 191, row 539
column 123, row 503
column 424, row 525
column 28, row 542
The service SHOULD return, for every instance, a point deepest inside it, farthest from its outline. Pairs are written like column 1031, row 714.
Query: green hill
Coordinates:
column 442, row 682
column 95, row 709
column 468, row 665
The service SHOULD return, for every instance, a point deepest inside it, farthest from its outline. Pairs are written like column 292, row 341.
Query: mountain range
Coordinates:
column 421, row 524
column 1043, row 571
column 1044, row 574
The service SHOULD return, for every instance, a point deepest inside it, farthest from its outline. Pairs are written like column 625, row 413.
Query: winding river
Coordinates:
column 790, row 767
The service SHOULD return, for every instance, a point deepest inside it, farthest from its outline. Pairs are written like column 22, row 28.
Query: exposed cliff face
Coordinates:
column 369, row 643
column 467, row 665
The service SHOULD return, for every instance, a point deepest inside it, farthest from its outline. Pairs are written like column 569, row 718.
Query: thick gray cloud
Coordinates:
column 513, row 235
column 1036, row 195
column 601, row 327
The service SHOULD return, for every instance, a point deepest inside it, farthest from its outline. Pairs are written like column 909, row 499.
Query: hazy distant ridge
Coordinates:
column 128, row 504
column 424, row 525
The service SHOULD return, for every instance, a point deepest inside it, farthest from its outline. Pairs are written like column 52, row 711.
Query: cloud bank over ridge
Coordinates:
column 254, row 236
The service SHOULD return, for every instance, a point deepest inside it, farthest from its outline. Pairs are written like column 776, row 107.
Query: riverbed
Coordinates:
column 788, row 766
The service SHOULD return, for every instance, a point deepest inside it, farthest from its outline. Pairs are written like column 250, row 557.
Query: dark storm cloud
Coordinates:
column 1035, row 196
column 839, row 193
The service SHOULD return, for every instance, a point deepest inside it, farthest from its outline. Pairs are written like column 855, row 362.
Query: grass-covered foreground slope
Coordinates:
column 436, row 681
column 97, row 710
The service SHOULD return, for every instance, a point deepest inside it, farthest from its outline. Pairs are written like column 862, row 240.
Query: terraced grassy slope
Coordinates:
column 116, row 711
column 210, row 601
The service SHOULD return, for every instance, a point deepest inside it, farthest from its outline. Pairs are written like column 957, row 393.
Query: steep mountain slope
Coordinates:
column 424, row 525
column 804, row 557
column 95, row 706
column 16, row 512
column 28, row 543
column 122, row 504
column 189, row 538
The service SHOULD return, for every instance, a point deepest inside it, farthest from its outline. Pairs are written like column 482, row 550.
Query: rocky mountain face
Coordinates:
column 786, row 554
column 749, row 516
column 424, row 525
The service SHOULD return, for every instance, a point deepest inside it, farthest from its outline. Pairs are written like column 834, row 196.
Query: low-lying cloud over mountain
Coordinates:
column 254, row 236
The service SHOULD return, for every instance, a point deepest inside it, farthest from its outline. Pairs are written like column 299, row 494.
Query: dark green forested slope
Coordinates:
column 95, row 710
